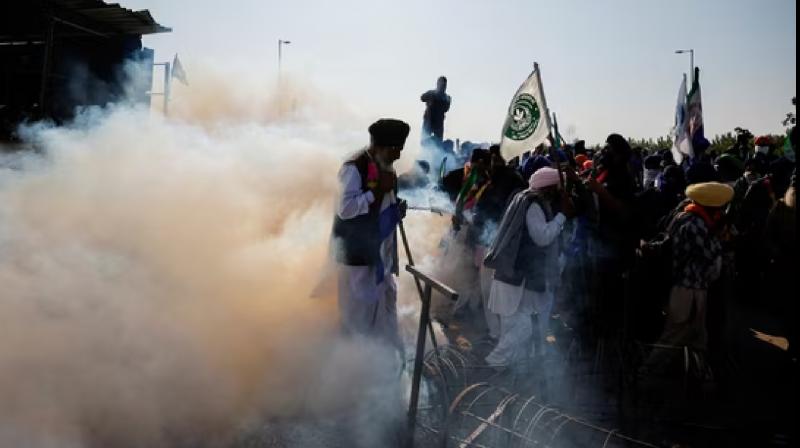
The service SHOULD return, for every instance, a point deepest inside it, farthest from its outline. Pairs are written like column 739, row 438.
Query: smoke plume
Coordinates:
column 155, row 274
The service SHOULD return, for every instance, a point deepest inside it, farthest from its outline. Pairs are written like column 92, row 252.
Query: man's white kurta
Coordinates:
column 366, row 307
column 515, row 304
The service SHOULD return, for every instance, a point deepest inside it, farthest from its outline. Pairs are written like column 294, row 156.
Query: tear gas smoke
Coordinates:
column 155, row 275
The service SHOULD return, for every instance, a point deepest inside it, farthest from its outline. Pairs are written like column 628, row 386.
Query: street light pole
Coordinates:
column 281, row 43
column 691, row 63
column 167, row 86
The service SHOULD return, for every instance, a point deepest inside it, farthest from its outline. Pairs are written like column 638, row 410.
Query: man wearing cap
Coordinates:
column 364, row 238
column 525, row 255
column 696, row 263
column 763, row 148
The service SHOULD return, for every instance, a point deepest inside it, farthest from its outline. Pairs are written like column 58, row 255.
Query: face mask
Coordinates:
column 762, row 149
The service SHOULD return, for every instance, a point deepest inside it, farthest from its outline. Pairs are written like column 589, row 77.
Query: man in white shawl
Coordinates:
column 525, row 256
column 364, row 235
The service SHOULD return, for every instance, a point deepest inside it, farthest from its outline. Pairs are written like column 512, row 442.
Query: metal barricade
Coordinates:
column 426, row 293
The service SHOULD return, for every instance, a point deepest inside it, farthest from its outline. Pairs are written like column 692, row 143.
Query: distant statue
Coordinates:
column 437, row 104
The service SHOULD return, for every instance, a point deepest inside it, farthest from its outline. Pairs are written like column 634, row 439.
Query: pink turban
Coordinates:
column 543, row 178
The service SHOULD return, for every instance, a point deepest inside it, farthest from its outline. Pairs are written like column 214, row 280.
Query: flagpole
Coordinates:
column 553, row 155
column 544, row 98
column 557, row 136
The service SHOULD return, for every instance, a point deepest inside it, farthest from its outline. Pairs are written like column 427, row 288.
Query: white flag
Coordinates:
column 682, row 144
column 178, row 72
column 528, row 122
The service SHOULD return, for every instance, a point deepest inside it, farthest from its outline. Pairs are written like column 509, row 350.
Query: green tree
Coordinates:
column 651, row 145
column 791, row 117
column 721, row 143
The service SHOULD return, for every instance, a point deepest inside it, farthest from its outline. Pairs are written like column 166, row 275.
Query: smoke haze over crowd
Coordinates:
column 156, row 273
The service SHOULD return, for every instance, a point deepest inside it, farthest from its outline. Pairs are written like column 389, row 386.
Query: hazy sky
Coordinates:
column 607, row 65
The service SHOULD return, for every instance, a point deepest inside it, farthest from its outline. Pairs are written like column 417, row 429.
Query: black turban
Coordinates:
column 389, row 132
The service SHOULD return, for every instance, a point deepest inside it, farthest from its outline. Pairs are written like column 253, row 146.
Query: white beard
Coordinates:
column 383, row 165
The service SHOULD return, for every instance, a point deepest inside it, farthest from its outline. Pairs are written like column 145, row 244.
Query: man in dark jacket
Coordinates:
column 437, row 104
column 696, row 263
column 614, row 188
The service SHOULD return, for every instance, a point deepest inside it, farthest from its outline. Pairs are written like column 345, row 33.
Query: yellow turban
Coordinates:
column 710, row 194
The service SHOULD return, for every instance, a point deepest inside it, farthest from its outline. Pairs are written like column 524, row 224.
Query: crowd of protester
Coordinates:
column 620, row 241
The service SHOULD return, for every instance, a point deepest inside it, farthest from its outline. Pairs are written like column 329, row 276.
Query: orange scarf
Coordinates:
column 699, row 210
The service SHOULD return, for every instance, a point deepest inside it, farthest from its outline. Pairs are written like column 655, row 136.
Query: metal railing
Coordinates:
column 426, row 293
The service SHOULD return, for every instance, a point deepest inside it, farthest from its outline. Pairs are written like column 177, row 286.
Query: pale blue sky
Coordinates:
column 608, row 65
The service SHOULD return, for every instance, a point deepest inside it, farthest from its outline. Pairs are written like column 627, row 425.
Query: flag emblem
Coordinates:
column 523, row 118
column 527, row 123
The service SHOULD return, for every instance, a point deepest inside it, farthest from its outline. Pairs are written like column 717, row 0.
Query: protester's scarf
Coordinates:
column 698, row 210
column 387, row 223
column 372, row 174
column 502, row 252
column 387, row 219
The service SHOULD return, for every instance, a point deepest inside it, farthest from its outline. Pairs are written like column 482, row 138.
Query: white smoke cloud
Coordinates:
column 155, row 274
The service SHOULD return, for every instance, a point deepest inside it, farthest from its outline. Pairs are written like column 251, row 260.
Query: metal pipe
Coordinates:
column 281, row 43
column 436, row 284
column 404, row 237
column 424, row 322
column 691, row 64
column 417, row 377
column 166, row 88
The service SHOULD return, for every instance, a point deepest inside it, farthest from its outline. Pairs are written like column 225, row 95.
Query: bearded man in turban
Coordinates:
column 364, row 235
